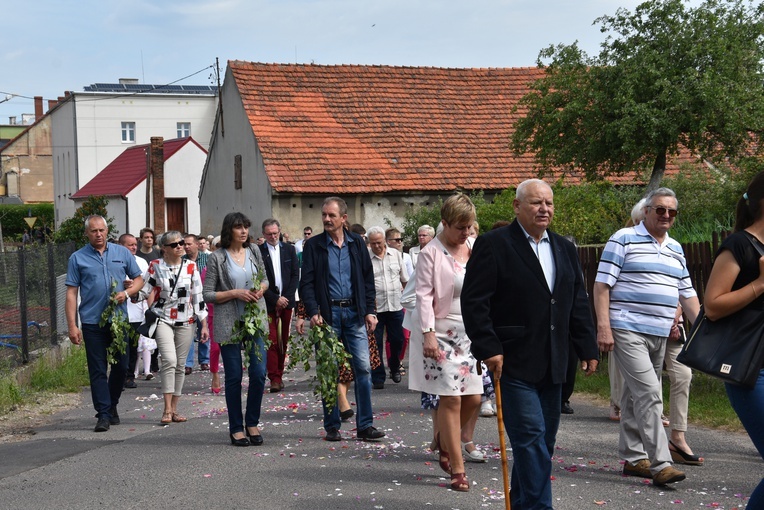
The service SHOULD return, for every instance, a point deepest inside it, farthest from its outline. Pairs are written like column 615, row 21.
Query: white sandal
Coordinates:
column 473, row 456
column 486, row 409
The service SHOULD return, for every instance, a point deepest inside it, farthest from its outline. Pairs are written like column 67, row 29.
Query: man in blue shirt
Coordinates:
column 337, row 286
column 92, row 269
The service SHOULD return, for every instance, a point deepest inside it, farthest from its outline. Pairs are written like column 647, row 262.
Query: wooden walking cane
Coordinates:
column 502, row 444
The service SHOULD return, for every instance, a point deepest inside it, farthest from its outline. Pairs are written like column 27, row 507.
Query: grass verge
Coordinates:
column 69, row 376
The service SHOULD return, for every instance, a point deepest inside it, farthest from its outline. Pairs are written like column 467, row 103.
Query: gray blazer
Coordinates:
column 218, row 280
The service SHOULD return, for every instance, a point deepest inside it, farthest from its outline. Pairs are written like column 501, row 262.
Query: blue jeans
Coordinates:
column 531, row 417
column 749, row 406
column 203, row 348
column 104, row 390
column 393, row 323
column 351, row 329
column 232, row 363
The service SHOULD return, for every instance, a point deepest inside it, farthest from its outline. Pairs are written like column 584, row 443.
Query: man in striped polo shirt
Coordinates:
column 641, row 276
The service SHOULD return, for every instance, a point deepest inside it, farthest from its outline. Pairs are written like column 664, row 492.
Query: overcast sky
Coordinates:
column 47, row 47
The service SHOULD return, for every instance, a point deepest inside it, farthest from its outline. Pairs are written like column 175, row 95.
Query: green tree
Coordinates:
column 73, row 229
column 667, row 76
column 12, row 217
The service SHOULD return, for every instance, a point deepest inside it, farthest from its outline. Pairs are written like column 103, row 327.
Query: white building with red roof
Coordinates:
column 157, row 187
column 90, row 128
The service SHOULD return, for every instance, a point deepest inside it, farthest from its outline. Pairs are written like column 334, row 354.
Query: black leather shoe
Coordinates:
column 255, row 439
column 370, row 434
column 130, row 383
column 566, row 409
column 333, row 435
column 396, row 377
column 241, row 441
column 378, row 385
column 114, row 420
column 346, row 415
column 102, row 425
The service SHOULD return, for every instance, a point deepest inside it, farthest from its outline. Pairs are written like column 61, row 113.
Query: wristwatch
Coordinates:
column 428, row 330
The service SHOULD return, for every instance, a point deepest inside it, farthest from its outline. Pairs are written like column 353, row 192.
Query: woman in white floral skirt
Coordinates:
column 439, row 359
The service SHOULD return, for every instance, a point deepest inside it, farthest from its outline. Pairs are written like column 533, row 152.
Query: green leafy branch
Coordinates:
column 253, row 323
column 330, row 355
column 119, row 326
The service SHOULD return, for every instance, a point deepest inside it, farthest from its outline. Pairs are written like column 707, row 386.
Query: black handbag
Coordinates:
column 148, row 327
column 730, row 348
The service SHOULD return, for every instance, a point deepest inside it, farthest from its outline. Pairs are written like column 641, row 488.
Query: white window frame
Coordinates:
column 183, row 129
column 128, row 132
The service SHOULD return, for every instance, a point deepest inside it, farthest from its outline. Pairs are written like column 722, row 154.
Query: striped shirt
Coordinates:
column 646, row 279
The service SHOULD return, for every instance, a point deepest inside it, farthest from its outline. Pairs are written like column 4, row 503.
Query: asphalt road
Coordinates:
column 141, row 464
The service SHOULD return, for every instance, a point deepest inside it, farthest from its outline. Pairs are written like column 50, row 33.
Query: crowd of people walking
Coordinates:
column 507, row 309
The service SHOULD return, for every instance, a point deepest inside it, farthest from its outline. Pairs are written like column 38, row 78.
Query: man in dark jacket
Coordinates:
column 337, row 286
column 283, row 272
column 523, row 301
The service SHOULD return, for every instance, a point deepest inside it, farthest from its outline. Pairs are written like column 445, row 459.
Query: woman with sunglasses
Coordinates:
column 174, row 290
column 228, row 286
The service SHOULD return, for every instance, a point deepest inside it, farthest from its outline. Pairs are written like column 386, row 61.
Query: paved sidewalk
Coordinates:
column 141, row 464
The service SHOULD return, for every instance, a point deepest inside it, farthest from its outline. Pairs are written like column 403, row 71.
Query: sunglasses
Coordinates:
column 396, row 239
column 660, row 211
column 307, row 233
column 175, row 245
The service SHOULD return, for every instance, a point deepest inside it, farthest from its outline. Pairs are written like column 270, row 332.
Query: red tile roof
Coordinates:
column 377, row 129
column 128, row 170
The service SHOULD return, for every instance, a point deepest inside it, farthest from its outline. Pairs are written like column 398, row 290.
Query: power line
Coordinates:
column 120, row 95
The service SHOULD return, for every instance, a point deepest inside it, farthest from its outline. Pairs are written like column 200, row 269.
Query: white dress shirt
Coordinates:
column 275, row 252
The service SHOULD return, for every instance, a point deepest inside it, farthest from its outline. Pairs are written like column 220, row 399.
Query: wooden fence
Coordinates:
column 700, row 257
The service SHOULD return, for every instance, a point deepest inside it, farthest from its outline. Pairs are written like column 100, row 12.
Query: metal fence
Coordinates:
column 32, row 299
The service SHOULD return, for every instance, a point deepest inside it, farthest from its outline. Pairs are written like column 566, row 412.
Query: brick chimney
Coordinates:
column 37, row 107
column 52, row 104
column 156, row 165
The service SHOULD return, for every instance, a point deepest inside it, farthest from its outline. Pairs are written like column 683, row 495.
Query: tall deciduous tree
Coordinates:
column 667, row 76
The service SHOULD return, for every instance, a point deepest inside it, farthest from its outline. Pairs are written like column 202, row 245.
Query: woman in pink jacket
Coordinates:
column 440, row 360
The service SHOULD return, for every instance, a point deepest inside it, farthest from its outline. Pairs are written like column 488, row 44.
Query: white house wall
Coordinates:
column 136, row 217
column 218, row 195
column 182, row 177
column 63, row 140
column 296, row 212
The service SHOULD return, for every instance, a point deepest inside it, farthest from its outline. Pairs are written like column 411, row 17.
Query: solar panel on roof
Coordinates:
column 198, row 88
column 145, row 87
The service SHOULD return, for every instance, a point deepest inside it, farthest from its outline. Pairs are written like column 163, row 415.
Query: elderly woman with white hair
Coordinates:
column 424, row 235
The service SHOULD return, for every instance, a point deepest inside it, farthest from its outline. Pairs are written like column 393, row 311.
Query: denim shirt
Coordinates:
column 93, row 274
column 340, row 286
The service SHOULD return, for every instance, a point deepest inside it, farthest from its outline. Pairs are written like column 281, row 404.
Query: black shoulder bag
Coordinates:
column 730, row 348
